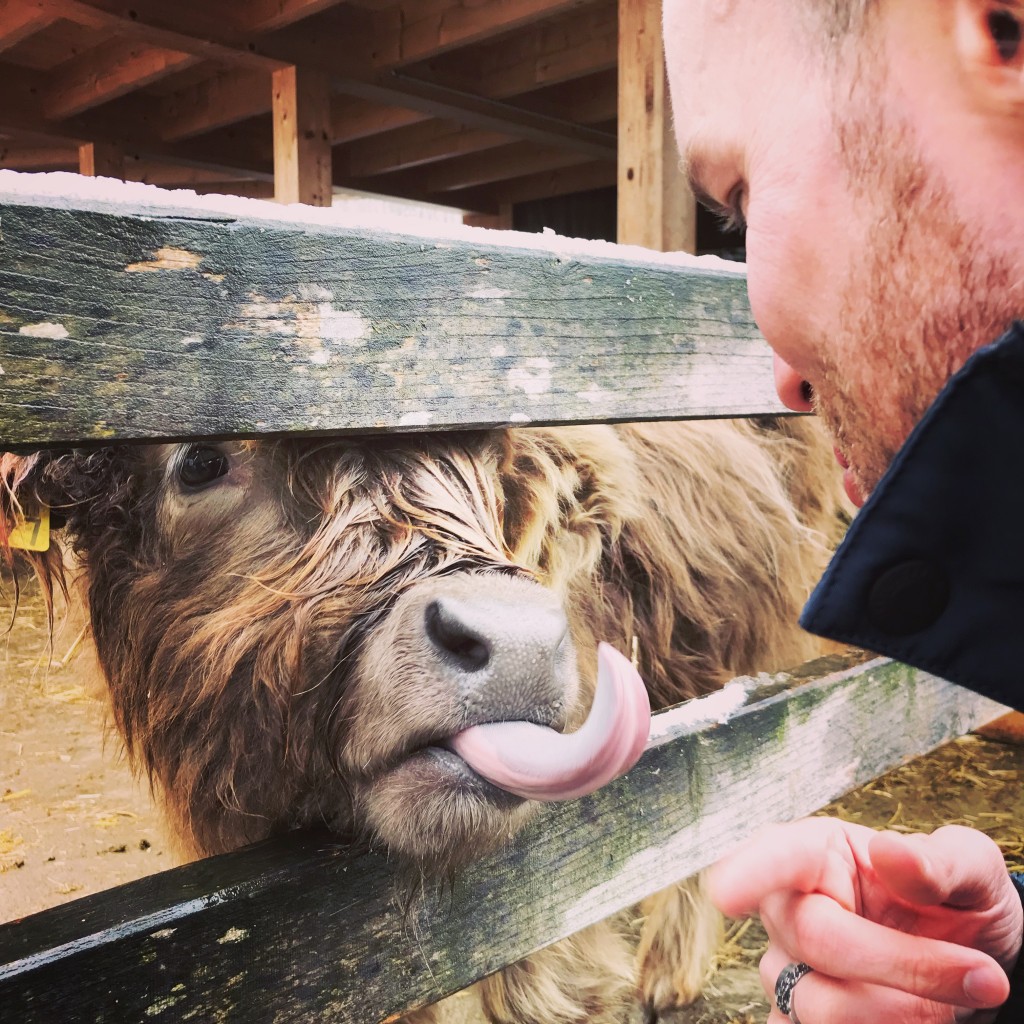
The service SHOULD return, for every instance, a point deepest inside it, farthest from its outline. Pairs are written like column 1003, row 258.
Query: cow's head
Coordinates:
column 293, row 632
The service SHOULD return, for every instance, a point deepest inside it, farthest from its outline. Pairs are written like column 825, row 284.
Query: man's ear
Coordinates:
column 990, row 50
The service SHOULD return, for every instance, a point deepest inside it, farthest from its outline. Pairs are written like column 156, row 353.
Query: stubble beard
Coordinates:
column 927, row 291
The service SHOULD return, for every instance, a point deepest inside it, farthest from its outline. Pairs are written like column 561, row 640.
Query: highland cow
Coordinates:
column 291, row 632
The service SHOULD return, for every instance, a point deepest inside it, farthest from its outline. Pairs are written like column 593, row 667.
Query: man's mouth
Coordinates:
column 850, row 485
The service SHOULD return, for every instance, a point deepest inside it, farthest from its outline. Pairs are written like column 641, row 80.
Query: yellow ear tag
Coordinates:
column 31, row 531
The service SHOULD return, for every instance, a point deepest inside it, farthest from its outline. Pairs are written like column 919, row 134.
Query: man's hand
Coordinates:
column 920, row 929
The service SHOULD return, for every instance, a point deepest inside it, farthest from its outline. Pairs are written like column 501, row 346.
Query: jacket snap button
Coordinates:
column 908, row 597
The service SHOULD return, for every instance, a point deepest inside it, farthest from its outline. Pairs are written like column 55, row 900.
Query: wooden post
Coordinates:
column 302, row 137
column 656, row 206
column 101, row 160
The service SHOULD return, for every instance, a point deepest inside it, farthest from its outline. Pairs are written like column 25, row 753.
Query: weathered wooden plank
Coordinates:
column 124, row 314
column 299, row 931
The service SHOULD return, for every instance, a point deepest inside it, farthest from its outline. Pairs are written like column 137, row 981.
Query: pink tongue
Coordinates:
column 537, row 763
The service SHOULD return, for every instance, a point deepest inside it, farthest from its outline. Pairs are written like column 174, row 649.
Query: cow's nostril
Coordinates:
column 454, row 638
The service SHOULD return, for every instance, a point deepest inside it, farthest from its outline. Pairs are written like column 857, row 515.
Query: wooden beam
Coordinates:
column 590, row 100
column 416, row 146
column 542, row 185
column 167, row 175
column 100, row 160
column 188, row 27
column 19, row 22
column 353, row 118
column 100, row 75
column 243, row 936
column 234, row 95
column 587, row 100
column 302, row 137
column 419, row 29
column 562, row 50
column 225, row 98
column 130, row 123
column 480, row 112
column 656, row 207
column 15, row 156
column 270, row 15
column 686, row 346
column 433, row 182
column 548, row 53
column 513, row 160
column 193, row 28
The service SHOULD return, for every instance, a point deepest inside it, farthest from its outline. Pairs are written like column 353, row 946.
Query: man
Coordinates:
column 875, row 151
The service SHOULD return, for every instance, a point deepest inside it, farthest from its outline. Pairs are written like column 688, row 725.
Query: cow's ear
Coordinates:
column 29, row 516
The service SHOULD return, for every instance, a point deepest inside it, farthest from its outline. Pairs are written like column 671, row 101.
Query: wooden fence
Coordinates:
column 126, row 314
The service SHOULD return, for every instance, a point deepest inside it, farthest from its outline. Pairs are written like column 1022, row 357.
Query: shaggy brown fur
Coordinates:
column 260, row 635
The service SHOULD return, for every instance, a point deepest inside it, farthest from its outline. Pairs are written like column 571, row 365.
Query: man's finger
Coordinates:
column 818, row 997
column 954, row 866
column 813, row 855
column 835, row 942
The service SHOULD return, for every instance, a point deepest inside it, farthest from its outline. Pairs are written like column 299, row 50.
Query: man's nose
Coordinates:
column 795, row 392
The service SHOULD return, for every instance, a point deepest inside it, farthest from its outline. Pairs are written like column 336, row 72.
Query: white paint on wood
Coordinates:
column 46, row 329
column 415, row 419
column 533, row 378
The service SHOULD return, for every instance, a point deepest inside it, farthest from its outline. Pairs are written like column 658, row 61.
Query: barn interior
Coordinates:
column 519, row 114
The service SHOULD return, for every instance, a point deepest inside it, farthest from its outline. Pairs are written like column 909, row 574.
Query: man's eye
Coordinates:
column 201, row 465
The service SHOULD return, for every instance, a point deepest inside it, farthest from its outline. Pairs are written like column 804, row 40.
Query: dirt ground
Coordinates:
column 74, row 821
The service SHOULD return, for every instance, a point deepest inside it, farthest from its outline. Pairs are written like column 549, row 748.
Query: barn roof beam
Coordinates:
column 17, row 156
column 539, row 185
column 353, row 118
column 375, row 46
column 270, row 15
column 232, row 154
column 416, row 146
column 592, row 100
column 466, row 172
column 541, row 55
column 18, row 23
column 225, row 98
column 417, row 29
column 134, row 122
column 493, row 115
column 107, row 72
column 548, row 53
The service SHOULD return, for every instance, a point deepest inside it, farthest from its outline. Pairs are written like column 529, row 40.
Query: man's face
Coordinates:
column 861, row 274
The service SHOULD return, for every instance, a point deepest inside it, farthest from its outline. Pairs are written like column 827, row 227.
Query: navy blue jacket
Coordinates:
column 932, row 570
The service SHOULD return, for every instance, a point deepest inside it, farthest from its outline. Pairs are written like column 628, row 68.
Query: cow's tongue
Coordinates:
column 538, row 763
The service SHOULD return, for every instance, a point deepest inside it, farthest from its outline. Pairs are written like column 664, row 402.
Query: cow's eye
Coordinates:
column 201, row 465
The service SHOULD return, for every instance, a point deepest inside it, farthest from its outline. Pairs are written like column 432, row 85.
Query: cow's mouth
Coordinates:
column 446, row 798
column 535, row 762
column 452, row 772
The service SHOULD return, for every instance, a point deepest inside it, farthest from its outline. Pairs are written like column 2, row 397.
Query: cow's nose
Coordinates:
column 454, row 637
column 508, row 658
